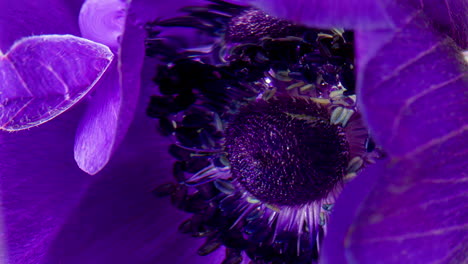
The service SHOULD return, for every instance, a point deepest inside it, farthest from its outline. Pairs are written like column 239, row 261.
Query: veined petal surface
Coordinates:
column 113, row 105
column 42, row 76
column 411, row 208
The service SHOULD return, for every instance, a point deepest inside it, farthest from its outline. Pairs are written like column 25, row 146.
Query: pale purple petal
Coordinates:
column 43, row 76
column 356, row 14
column 111, row 110
column 418, row 208
column 119, row 220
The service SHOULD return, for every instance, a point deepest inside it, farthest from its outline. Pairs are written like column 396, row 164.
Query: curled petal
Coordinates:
column 112, row 107
column 103, row 21
column 449, row 17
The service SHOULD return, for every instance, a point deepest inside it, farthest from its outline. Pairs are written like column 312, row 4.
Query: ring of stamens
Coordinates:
column 207, row 97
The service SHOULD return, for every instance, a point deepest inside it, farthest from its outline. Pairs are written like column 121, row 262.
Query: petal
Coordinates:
column 401, row 211
column 143, row 11
column 118, row 219
column 23, row 18
column 407, row 209
column 345, row 212
column 449, row 17
column 40, row 82
column 412, row 88
column 40, row 185
column 112, row 108
column 103, row 21
column 94, row 147
column 417, row 211
column 95, row 136
column 356, row 14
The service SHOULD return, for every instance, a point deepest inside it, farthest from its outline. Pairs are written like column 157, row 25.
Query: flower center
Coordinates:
column 266, row 128
column 285, row 151
column 253, row 24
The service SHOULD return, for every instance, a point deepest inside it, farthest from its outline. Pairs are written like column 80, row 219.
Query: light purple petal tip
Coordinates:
column 108, row 118
column 412, row 89
column 43, row 76
column 40, row 185
column 95, row 136
column 111, row 109
column 103, row 21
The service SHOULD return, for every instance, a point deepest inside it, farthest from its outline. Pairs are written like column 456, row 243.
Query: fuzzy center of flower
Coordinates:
column 285, row 151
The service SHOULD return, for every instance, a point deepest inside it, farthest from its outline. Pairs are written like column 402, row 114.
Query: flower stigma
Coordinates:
column 265, row 126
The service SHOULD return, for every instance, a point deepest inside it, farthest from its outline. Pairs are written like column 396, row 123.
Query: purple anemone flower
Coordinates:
column 411, row 92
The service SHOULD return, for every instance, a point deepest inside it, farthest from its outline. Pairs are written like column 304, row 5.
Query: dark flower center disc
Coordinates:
column 285, row 151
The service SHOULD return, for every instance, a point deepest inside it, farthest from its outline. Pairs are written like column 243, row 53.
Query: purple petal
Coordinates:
column 417, row 211
column 449, row 17
column 101, row 131
column 95, row 136
column 116, row 220
column 43, row 76
column 346, row 209
column 103, row 21
column 412, row 89
column 112, row 108
column 414, row 213
column 24, row 18
column 119, row 220
column 143, row 11
column 40, row 185
column 356, row 14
